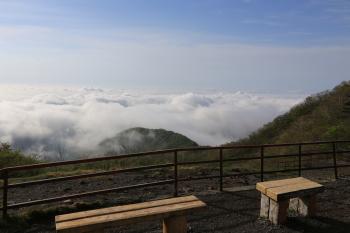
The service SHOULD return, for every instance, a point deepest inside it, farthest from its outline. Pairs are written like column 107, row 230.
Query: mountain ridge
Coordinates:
column 139, row 139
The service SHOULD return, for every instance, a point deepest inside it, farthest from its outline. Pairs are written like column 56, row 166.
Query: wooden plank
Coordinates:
column 263, row 186
column 294, row 190
column 176, row 224
column 294, row 187
column 278, row 211
column 100, row 222
column 123, row 208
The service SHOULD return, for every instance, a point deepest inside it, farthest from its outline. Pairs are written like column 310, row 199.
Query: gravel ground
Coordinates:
column 228, row 211
column 239, row 212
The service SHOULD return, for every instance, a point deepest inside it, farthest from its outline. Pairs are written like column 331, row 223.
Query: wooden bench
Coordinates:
column 172, row 211
column 298, row 194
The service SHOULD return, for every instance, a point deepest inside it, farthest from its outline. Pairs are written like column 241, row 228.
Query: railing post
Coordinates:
column 175, row 175
column 262, row 163
column 4, row 194
column 221, row 171
column 299, row 163
column 335, row 161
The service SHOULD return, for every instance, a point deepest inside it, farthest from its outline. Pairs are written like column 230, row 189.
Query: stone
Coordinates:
column 265, row 204
column 294, row 204
column 307, row 206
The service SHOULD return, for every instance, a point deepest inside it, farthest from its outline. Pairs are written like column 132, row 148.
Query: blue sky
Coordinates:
column 254, row 45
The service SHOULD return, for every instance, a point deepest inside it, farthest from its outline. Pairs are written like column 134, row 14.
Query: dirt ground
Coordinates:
column 228, row 211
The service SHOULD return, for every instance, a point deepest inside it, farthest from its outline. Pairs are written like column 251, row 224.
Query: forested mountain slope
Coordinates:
column 324, row 116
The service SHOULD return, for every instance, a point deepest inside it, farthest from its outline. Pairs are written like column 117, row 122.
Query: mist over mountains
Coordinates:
column 56, row 121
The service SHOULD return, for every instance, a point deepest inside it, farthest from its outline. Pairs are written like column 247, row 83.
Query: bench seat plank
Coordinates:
column 123, row 208
column 137, row 212
column 294, row 190
column 264, row 186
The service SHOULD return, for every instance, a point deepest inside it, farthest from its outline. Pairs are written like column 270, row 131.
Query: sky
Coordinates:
column 75, row 72
column 265, row 46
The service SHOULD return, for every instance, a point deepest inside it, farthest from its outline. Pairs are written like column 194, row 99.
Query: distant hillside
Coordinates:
column 141, row 139
column 324, row 116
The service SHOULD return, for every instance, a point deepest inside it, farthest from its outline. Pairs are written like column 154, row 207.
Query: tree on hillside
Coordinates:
column 5, row 147
column 346, row 104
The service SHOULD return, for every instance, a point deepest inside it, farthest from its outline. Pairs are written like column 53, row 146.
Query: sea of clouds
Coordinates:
column 51, row 121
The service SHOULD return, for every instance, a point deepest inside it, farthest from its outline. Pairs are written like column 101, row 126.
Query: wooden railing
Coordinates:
column 6, row 172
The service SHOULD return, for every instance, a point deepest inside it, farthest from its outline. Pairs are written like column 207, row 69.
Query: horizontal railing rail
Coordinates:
column 220, row 162
column 95, row 174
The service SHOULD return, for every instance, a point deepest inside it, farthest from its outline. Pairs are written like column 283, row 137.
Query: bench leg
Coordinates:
column 177, row 224
column 264, row 207
column 307, row 206
column 278, row 211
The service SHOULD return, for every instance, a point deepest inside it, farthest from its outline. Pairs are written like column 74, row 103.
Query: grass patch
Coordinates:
column 19, row 223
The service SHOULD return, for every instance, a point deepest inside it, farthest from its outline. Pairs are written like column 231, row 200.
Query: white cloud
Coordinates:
column 46, row 119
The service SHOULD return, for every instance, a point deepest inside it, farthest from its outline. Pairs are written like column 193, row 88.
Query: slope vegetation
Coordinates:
column 324, row 116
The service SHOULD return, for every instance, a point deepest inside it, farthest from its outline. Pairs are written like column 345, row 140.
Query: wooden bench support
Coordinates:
column 299, row 194
column 278, row 211
column 176, row 224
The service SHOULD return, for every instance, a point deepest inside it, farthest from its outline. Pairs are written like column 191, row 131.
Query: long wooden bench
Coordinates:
column 172, row 211
column 298, row 194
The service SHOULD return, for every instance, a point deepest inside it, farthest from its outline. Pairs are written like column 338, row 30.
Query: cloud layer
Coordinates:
column 49, row 121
